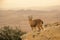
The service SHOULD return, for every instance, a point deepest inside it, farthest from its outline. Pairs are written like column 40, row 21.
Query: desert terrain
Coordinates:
column 19, row 18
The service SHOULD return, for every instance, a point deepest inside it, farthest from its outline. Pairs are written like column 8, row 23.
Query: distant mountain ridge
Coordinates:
column 53, row 12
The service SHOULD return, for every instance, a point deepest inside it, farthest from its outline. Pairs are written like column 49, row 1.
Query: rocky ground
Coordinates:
column 49, row 33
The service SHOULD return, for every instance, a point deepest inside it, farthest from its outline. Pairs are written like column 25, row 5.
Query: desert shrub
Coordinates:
column 7, row 33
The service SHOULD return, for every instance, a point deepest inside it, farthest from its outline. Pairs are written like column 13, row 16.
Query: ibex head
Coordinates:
column 30, row 17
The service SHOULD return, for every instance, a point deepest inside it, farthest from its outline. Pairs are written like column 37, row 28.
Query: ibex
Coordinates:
column 35, row 23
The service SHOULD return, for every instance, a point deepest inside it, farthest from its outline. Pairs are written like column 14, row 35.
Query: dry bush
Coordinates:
column 7, row 33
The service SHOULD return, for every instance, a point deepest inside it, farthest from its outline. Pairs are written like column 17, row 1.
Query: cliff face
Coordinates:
column 50, row 33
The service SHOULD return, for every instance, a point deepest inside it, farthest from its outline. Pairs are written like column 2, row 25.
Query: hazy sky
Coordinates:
column 27, row 4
